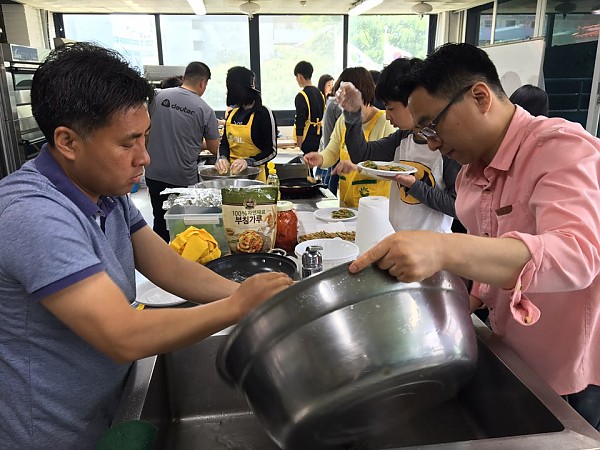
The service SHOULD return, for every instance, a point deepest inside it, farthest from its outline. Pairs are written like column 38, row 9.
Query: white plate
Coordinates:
column 325, row 214
column 151, row 295
column 386, row 174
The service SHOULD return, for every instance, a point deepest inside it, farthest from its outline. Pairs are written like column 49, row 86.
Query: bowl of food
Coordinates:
column 211, row 173
column 337, row 358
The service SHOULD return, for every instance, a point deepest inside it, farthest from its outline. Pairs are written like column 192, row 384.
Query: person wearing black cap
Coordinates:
column 250, row 134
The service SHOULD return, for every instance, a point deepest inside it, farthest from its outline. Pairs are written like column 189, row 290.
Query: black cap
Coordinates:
column 242, row 76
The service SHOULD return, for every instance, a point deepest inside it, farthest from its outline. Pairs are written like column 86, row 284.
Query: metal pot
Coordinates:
column 339, row 357
column 243, row 265
column 295, row 168
column 210, row 173
column 299, row 188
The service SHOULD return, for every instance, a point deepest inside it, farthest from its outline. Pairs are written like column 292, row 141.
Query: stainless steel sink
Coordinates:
column 504, row 406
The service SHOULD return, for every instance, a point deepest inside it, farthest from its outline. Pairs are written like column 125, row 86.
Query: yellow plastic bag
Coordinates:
column 196, row 245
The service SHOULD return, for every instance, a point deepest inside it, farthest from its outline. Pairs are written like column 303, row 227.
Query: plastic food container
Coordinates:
column 179, row 218
column 335, row 251
column 287, row 227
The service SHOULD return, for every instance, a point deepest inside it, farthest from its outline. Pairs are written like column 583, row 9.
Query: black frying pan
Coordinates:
column 243, row 265
column 299, row 188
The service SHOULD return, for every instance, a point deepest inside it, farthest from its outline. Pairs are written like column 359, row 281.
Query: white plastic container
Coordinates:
column 335, row 251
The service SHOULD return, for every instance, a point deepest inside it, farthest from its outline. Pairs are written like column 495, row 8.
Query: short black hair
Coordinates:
column 196, row 71
column 452, row 67
column 170, row 82
column 81, row 86
column 362, row 80
column 533, row 99
column 396, row 81
column 305, row 69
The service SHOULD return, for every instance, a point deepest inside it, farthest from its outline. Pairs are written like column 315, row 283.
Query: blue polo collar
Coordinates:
column 48, row 167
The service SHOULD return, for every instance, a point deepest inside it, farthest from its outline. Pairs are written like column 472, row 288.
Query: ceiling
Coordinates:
column 232, row 6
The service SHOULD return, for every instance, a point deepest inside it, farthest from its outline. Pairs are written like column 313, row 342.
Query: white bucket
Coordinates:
column 335, row 251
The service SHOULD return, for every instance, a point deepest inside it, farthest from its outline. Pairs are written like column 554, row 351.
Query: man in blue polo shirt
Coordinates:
column 71, row 241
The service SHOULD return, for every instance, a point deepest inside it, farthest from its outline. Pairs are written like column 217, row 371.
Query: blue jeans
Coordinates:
column 587, row 403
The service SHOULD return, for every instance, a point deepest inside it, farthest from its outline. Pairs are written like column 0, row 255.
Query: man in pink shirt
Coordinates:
column 528, row 194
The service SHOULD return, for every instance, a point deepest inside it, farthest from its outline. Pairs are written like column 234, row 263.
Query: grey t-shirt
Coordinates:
column 56, row 390
column 180, row 120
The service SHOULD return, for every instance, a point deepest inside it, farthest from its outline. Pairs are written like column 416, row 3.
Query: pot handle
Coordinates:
column 278, row 251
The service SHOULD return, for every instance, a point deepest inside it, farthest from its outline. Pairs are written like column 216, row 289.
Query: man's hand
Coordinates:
column 313, row 159
column 239, row 165
column 406, row 255
column 345, row 166
column 222, row 165
column 405, row 180
column 348, row 97
column 258, row 289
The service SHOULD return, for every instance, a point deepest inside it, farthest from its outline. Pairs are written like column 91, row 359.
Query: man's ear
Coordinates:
column 66, row 141
column 483, row 95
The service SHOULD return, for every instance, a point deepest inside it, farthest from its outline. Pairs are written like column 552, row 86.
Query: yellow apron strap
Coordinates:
column 309, row 122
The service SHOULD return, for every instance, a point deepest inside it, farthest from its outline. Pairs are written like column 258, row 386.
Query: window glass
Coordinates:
column 515, row 20
column 575, row 28
column 485, row 27
column 375, row 41
column 287, row 40
column 187, row 38
column 132, row 35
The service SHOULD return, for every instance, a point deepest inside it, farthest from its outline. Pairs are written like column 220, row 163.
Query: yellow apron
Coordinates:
column 308, row 122
column 353, row 185
column 240, row 142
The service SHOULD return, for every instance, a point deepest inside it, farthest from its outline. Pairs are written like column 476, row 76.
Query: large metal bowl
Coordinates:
column 228, row 183
column 210, row 173
column 339, row 357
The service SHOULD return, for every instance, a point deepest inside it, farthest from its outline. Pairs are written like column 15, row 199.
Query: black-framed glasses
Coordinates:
column 428, row 132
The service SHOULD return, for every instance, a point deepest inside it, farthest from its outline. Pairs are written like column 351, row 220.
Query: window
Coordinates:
column 287, row 40
column 575, row 28
column 208, row 39
column 375, row 41
column 132, row 35
column 515, row 20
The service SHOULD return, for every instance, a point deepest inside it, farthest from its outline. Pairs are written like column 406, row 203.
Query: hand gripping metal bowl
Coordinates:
column 339, row 357
column 228, row 183
column 210, row 173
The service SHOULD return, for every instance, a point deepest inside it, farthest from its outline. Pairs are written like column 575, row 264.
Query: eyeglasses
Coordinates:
column 428, row 132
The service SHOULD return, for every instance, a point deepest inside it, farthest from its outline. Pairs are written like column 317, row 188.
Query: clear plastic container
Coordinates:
column 287, row 227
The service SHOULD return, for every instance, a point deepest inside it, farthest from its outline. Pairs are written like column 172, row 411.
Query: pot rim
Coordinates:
column 384, row 278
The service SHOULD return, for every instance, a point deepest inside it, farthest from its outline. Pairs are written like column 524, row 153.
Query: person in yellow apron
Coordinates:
column 250, row 132
column 310, row 106
column 353, row 185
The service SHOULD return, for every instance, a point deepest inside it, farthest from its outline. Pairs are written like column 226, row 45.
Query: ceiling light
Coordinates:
column 363, row 6
column 422, row 8
column 249, row 8
column 198, row 7
column 565, row 8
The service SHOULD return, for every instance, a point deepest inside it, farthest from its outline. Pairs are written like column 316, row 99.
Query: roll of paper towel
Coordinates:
column 372, row 223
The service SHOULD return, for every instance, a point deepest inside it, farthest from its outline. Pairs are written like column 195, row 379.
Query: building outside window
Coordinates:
column 132, row 35
column 187, row 38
